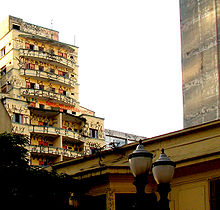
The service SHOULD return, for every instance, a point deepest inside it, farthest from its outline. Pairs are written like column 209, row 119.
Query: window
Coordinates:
column 53, row 90
column 41, row 106
column 4, row 89
column 3, row 51
column 40, row 123
column 27, row 46
column 60, row 73
column 41, row 49
column 31, row 47
column 51, row 51
column 28, row 85
column 41, row 68
column 52, row 71
column 18, row 118
column 30, row 66
column 3, row 70
column 60, row 54
column 41, row 87
column 33, row 104
column 215, row 194
column 64, row 74
column 32, row 85
column 93, row 133
column 17, row 27
column 60, row 91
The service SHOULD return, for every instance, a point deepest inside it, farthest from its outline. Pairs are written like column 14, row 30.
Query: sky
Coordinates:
column 129, row 57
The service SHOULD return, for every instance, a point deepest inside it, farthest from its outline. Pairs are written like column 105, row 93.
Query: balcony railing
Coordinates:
column 55, row 78
column 47, row 95
column 55, row 131
column 53, row 151
column 20, row 128
column 47, row 57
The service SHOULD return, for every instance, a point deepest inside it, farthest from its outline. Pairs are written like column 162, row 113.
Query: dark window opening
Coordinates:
column 51, row 52
column 3, row 51
column 41, row 49
column 41, row 68
column 3, row 70
column 17, row 27
column 64, row 74
column 52, row 71
column 93, row 133
column 215, row 194
column 18, row 118
column 41, row 106
column 41, row 87
column 31, row 47
column 32, row 85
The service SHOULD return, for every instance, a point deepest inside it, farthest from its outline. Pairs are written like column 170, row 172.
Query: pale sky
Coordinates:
column 129, row 57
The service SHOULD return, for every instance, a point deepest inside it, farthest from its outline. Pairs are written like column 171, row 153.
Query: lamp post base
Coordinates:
column 163, row 190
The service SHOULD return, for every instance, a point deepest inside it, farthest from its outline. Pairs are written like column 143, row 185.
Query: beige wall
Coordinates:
column 5, row 121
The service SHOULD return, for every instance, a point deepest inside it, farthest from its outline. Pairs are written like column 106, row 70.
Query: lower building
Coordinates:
column 196, row 181
column 116, row 138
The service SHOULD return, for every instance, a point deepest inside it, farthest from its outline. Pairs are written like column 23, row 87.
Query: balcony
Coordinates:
column 56, row 132
column 48, row 76
column 20, row 128
column 53, row 151
column 47, row 57
column 48, row 95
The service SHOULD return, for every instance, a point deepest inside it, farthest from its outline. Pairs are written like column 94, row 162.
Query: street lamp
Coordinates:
column 163, row 170
column 140, row 162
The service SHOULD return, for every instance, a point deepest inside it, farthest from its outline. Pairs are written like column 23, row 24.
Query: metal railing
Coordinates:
column 48, row 76
column 47, row 95
column 55, row 131
column 47, row 57
column 56, row 151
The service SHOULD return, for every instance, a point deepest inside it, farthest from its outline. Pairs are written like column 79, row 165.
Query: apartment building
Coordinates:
column 39, row 90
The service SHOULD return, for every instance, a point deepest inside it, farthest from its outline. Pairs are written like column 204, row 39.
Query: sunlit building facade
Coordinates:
column 40, row 92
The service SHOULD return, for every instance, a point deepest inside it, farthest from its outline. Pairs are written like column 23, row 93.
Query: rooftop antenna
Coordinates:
column 74, row 40
column 51, row 23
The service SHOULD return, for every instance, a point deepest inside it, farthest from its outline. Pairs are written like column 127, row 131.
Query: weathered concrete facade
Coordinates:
column 200, row 60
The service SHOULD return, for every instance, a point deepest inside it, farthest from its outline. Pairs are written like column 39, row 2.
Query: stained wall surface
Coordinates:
column 200, row 60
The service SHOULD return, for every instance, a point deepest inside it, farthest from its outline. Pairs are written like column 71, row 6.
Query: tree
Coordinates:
column 23, row 186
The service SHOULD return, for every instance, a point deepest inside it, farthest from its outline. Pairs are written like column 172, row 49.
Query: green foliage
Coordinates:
column 26, row 187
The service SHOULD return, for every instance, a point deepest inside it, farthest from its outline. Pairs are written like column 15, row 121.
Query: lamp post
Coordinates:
column 163, row 170
column 140, row 162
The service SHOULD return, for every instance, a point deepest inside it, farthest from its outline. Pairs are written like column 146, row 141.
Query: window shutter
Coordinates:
column 13, row 118
column 20, row 118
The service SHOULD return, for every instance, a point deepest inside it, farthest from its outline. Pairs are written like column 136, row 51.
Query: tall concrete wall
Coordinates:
column 200, row 57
